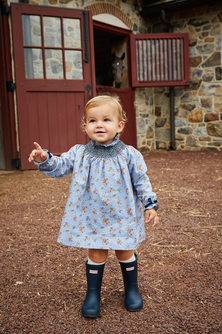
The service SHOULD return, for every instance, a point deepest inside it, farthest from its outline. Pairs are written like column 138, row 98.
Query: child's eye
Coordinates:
column 106, row 120
column 91, row 121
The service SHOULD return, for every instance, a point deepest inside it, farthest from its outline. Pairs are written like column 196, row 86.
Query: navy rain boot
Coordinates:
column 94, row 275
column 133, row 299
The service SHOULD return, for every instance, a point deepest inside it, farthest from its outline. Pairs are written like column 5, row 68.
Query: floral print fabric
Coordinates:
column 104, row 208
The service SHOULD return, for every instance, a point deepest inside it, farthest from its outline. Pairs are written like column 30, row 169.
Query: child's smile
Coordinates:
column 102, row 124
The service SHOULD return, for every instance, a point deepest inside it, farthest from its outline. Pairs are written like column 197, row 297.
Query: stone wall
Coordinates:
column 127, row 11
column 198, row 107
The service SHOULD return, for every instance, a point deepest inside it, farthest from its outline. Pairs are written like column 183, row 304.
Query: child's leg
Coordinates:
column 98, row 255
column 94, row 274
column 128, row 263
column 124, row 255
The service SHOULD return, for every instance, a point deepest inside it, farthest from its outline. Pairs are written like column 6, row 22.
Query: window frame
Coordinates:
column 63, row 48
column 184, row 60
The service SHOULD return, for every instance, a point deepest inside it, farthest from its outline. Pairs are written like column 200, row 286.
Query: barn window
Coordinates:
column 160, row 60
column 52, row 47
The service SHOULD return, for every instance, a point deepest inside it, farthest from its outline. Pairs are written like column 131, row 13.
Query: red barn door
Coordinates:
column 55, row 76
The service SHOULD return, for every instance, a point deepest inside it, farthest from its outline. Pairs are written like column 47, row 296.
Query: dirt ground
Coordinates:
column 43, row 284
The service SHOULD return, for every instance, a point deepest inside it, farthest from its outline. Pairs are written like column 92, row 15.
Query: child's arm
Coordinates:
column 52, row 165
column 142, row 185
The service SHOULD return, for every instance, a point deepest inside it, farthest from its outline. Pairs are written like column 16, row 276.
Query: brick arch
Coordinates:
column 107, row 8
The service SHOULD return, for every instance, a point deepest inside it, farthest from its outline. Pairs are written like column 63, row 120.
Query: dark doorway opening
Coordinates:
column 108, row 40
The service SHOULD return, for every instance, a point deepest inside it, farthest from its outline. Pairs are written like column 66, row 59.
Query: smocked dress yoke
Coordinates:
column 109, row 184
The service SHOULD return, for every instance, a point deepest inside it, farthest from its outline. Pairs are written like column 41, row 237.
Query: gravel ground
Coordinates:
column 43, row 284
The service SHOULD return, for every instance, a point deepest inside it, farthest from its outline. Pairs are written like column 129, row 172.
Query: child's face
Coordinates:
column 102, row 124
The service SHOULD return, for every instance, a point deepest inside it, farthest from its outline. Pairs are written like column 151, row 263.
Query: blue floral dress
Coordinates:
column 109, row 184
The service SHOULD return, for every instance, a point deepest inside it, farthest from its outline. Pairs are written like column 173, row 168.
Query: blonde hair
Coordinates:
column 104, row 99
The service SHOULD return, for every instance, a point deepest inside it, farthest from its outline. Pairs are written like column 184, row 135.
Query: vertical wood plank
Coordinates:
column 43, row 122
column 71, row 119
column 81, row 136
column 181, row 58
column 164, row 62
column 147, row 52
column 155, row 52
column 168, row 57
column 53, row 122
column 173, row 78
column 151, row 50
column 33, row 123
column 138, row 61
column 177, row 60
column 62, row 121
column 143, row 61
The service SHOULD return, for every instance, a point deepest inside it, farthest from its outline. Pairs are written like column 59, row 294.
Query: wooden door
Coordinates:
column 55, row 76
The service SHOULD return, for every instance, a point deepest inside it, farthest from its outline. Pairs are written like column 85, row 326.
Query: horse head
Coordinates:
column 117, row 69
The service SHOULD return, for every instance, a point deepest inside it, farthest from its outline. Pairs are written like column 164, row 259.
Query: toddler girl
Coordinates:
column 108, row 195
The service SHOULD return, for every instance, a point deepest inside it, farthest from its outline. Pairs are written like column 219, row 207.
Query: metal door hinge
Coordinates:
column 5, row 9
column 15, row 163
column 10, row 86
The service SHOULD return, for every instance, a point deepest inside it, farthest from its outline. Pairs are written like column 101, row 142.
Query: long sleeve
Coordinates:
column 140, row 180
column 59, row 166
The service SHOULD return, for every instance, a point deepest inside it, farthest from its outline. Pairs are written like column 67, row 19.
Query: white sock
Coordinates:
column 94, row 263
column 133, row 258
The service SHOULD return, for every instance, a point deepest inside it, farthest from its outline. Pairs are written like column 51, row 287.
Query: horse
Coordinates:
column 111, row 71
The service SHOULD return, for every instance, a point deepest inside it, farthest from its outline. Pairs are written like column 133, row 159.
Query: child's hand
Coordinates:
column 38, row 154
column 151, row 215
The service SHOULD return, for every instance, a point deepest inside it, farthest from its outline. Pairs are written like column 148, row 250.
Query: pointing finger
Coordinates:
column 37, row 146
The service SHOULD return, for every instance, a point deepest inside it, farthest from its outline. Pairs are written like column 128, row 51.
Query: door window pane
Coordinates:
column 54, row 64
column 72, row 36
column 73, row 63
column 31, row 29
column 52, row 31
column 33, row 63
column 54, row 47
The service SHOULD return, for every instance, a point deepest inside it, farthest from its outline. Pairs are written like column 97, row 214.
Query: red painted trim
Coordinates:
column 158, row 83
column 120, row 31
column 7, row 98
column 92, row 52
column 108, row 27
column 129, row 62
column 220, row 16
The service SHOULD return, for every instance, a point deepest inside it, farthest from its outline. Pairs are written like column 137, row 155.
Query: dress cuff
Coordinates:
column 49, row 157
column 150, row 204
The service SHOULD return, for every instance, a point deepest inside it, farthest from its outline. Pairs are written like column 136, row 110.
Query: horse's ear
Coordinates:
column 123, row 56
column 113, row 56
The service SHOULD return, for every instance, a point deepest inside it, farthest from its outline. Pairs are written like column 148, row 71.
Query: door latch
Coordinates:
column 88, row 87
